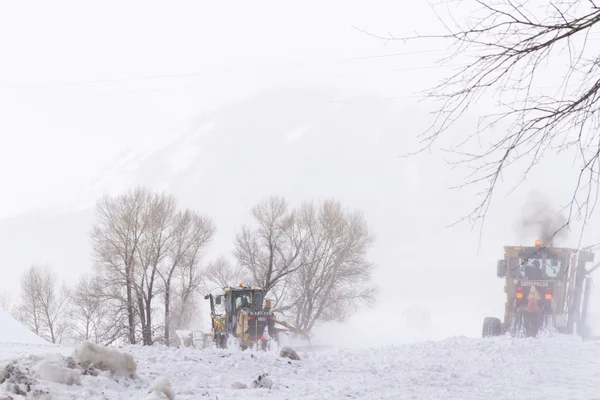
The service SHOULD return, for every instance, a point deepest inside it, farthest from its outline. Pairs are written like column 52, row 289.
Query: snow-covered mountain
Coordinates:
column 300, row 143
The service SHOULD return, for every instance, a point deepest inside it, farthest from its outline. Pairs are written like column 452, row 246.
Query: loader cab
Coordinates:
column 240, row 298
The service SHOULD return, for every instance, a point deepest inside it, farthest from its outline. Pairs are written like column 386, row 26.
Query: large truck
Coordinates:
column 547, row 289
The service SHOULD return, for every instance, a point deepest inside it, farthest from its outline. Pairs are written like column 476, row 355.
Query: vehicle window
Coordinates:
column 514, row 268
column 553, row 268
column 531, row 268
column 243, row 300
column 256, row 300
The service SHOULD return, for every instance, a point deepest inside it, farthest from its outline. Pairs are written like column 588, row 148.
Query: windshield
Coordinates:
column 243, row 300
column 536, row 267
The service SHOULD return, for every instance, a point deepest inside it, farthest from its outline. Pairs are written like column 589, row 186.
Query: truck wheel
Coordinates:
column 492, row 326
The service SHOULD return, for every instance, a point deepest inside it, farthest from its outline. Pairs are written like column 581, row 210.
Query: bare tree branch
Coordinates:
column 335, row 278
column 514, row 42
column 272, row 250
column 221, row 273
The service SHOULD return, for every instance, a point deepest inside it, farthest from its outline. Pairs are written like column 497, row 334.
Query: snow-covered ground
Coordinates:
column 455, row 368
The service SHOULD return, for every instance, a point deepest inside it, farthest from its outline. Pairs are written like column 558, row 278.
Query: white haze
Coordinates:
column 225, row 104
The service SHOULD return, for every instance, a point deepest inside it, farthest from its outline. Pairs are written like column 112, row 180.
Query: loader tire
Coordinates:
column 222, row 341
column 492, row 326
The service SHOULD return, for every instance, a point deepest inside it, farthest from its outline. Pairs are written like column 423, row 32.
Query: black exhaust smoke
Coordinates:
column 541, row 221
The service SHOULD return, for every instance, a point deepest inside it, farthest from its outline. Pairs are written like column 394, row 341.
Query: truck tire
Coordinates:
column 492, row 326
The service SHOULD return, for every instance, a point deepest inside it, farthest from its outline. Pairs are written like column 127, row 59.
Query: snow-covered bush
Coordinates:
column 91, row 354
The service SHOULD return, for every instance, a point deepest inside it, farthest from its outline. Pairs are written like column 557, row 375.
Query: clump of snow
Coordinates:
column 48, row 371
column 160, row 388
column 105, row 359
column 85, row 369
column 156, row 396
column 263, row 381
column 239, row 385
column 288, row 352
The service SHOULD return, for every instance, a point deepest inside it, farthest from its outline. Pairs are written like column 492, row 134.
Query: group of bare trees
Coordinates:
column 62, row 314
column 148, row 251
column 147, row 278
column 311, row 260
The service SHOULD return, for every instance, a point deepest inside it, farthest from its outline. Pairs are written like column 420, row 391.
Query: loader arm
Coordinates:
column 212, row 308
column 292, row 329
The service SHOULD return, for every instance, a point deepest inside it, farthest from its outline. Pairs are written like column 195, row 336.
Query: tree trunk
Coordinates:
column 142, row 312
column 167, row 314
column 51, row 328
column 130, row 312
column 147, row 332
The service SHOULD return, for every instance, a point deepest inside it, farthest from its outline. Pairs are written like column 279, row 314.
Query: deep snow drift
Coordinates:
column 455, row 368
column 12, row 331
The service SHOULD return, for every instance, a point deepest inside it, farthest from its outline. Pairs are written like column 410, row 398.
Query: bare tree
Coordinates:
column 191, row 233
column 271, row 251
column 334, row 279
column 221, row 273
column 152, row 252
column 514, row 43
column 91, row 312
column 7, row 303
column 116, row 239
column 29, row 311
column 43, row 304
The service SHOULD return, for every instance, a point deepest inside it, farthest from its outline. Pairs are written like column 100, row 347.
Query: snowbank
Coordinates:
column 12, row 331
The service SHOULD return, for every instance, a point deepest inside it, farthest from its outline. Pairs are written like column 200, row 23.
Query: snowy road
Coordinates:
column 455, row 368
